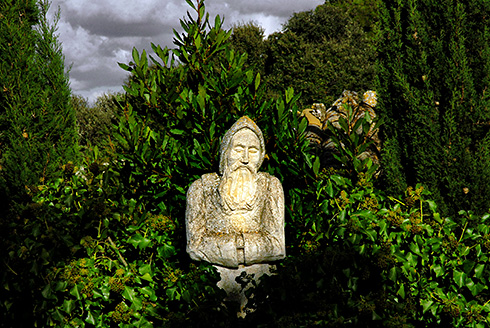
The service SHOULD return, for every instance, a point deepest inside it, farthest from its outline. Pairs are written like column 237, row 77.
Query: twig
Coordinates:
column 117, row 251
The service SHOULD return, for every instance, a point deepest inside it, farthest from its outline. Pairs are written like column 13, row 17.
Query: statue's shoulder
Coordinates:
column 209, row 178
column 272, row 181
column 205, row 182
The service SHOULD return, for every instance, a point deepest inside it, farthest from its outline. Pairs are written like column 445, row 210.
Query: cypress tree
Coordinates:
column 434, row 67
column 38, row 131
column 37, row 136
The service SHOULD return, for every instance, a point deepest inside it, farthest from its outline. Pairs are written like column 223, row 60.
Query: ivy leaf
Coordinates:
column 165, row 251
column 401, row 291
column 129, row 294
column 138, row 241
column 149, row 292
column 426, row 304
column 90, row 318
column 439, row 271
column 103, row 292
column 75, row 292
column 68, row 306
column 479, row 270
column 459, row 278
column 172, row 293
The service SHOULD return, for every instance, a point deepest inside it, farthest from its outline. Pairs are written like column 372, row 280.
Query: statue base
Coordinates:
column 236, row 281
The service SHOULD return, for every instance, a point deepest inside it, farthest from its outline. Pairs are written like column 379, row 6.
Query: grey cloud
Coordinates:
column 103, row 25
column 280, row 8
column 96, row 34
column 99, row 77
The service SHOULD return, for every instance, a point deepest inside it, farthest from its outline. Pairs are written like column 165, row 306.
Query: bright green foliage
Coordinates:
column 194, row 104
column 123, row 268
column 320, row 54
column 375, row 261
column 434, row 69
column 353, row 139
column 129, row 265
column 105, row 243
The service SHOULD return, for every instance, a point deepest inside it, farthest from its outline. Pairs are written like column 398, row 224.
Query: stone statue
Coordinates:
column 236, row 219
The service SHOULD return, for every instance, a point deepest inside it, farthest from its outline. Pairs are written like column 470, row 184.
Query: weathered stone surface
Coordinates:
column 237, row 281
column 236, row 217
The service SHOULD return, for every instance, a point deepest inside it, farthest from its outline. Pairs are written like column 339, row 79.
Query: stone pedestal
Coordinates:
column 236, row 281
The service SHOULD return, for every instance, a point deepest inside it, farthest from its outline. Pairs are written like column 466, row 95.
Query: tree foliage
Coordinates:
column 37, row 137
column 320, row 53
column 38, row 133
column 95, row 122
column 433, row 77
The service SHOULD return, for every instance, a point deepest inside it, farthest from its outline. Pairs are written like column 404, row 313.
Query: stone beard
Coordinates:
column 237, row 217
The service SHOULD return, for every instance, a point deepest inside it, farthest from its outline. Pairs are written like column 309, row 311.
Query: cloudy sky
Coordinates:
column 97, row 34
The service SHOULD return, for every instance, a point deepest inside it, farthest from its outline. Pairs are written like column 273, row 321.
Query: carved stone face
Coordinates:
column 244, row 150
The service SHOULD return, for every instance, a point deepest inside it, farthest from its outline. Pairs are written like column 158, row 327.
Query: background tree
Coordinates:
column 95, row 122
column 434, row 68
column 249, row 38
column 322, row 52
column 38, row 136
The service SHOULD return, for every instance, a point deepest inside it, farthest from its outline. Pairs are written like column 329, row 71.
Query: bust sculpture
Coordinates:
column 236, row 218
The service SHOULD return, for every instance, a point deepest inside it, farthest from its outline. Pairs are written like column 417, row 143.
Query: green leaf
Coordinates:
column 102, row 292
column 149, row 292
column 68, row 306
column 146, row 268
column 165, row 251
column 439, row 271
column 393, row 274
column 289, row 94
column 257, row 81
column 172, row 293
column 138, row 241
column 136, row 56
column 316, row 166
column 459, row 278
column 90, row 318
column 302, row 125
column 176, row 131
column 146, row 277
column 329, row 189
column 75, row 292
column 189, row 2
column 426, row 304
column 401, row 290
column 129, row 294
column 479, row 269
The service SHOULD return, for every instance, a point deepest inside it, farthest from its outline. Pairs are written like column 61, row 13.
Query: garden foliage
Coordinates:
column 124, row 262
column 104, row 243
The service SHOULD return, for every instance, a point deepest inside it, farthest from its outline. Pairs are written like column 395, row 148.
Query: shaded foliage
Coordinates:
column 436, row 106
column 37, row 137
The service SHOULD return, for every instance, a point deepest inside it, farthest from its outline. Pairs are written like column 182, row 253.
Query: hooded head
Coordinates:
column 243, row 123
